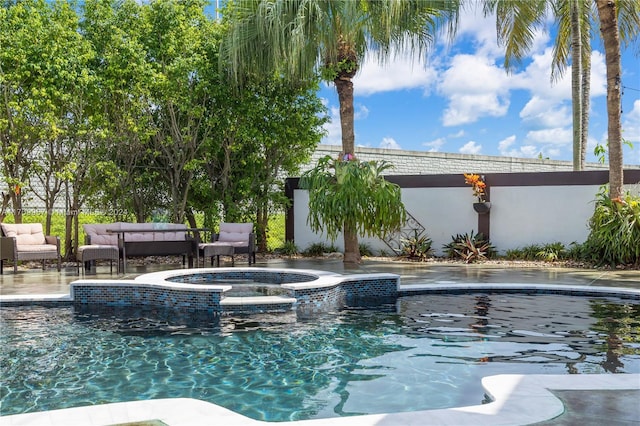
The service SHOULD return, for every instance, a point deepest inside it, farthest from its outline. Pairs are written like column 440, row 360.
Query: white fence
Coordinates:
column 526, row 208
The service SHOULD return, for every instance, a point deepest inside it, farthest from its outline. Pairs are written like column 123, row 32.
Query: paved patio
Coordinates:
column 584, row 404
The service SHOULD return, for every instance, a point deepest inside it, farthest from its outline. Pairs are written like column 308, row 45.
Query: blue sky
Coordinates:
column 459, row 99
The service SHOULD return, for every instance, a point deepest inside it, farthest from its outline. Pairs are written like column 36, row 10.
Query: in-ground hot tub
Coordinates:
column 306, row 291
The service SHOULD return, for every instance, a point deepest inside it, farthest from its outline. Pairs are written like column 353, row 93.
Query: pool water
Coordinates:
column 424, row 352
column 251, row 288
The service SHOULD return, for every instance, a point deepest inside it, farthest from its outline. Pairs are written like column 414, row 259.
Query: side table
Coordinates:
column 216, row 249
column 88, row 253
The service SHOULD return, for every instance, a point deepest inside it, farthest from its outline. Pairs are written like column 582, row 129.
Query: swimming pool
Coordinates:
column 423, row 352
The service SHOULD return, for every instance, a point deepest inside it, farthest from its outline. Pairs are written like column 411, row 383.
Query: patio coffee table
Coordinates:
column 88, row 253
column 216, row 249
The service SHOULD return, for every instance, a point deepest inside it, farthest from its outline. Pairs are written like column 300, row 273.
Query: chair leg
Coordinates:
column 15, row 266
column 1, row 266
column 43, row 264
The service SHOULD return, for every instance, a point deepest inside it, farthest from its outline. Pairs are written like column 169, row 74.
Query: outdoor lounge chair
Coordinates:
column 26, row 241
column 232, row 239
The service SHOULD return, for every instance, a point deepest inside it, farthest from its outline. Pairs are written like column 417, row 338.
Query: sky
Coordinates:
column 459, row 99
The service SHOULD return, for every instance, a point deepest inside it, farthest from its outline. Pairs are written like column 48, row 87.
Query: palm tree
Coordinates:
column 300, row 38
column 619, row 20
column 608, row 14
column 516, row 22
column 574, row 24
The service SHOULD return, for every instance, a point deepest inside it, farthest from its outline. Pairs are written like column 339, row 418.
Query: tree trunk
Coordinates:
column 4, row 204
column 17, row 206
column 576, row 84
column 262, row 221
column 586, row 104
column 344, row 86
column 609, row 29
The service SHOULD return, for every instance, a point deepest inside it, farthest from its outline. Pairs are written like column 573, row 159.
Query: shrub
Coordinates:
column 318, row 249
column 614, row 236
column 289, row 248
column 576, row 251
column 547, row 252
column 531, row 251
column 470, row 247
column 417, row 247
column 365, row 250
column 552, row 252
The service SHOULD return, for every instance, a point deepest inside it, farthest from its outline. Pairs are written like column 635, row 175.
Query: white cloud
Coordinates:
column 434, row 145
column 504, row 144
column 539, row 112
column 598, row 86
column 507, row 148
column 483, row 29
column 631, row 124
column 458, row 134
column 404, row 72
column 360, row 112
column 556, row 136
column 482, row 92
column 528, row 151
column 470, row 147
column 332, row 127
column 389, row 143
column 553, row 152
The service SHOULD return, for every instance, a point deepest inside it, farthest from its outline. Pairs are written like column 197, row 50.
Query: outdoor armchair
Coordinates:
column 26, row 241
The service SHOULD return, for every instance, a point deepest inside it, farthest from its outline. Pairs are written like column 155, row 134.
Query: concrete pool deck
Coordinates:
column 536, row 399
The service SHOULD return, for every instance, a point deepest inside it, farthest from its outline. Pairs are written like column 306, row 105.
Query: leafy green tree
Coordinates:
column 298, row 38
column 284, row 128
column 123, row 178
column 26, row 116
column 71, row 86
column 176, row 45
column 354, row 193
column 261, row 134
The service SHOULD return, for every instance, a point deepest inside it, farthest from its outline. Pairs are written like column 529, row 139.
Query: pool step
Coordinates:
column 258, row 304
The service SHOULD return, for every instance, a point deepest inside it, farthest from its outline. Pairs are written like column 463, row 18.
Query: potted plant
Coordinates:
column 478, row 185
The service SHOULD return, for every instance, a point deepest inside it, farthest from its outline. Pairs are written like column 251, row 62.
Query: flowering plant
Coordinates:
column 477, row 184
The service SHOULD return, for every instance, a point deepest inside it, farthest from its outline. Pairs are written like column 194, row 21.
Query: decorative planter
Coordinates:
column 482, row 208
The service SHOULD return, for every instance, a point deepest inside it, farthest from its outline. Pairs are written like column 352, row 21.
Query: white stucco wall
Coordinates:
column 520, row 216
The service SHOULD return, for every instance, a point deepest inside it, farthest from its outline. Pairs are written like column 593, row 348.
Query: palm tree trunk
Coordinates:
column 611, row 38
column 586, row 104
column 576, row 83
column 344, row 87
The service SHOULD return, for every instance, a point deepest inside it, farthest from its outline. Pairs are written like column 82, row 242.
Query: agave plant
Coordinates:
column 418, row 246
column 470, row 247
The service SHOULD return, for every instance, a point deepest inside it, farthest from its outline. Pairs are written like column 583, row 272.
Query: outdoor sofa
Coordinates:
column 143, row 239
column 26, row 241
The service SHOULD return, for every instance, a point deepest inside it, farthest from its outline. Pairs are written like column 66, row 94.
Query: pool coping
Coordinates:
column 517, row 400
column 403, row 289
column 309, row 291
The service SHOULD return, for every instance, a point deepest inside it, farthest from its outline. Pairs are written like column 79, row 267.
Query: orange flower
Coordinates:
column 477, row 184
